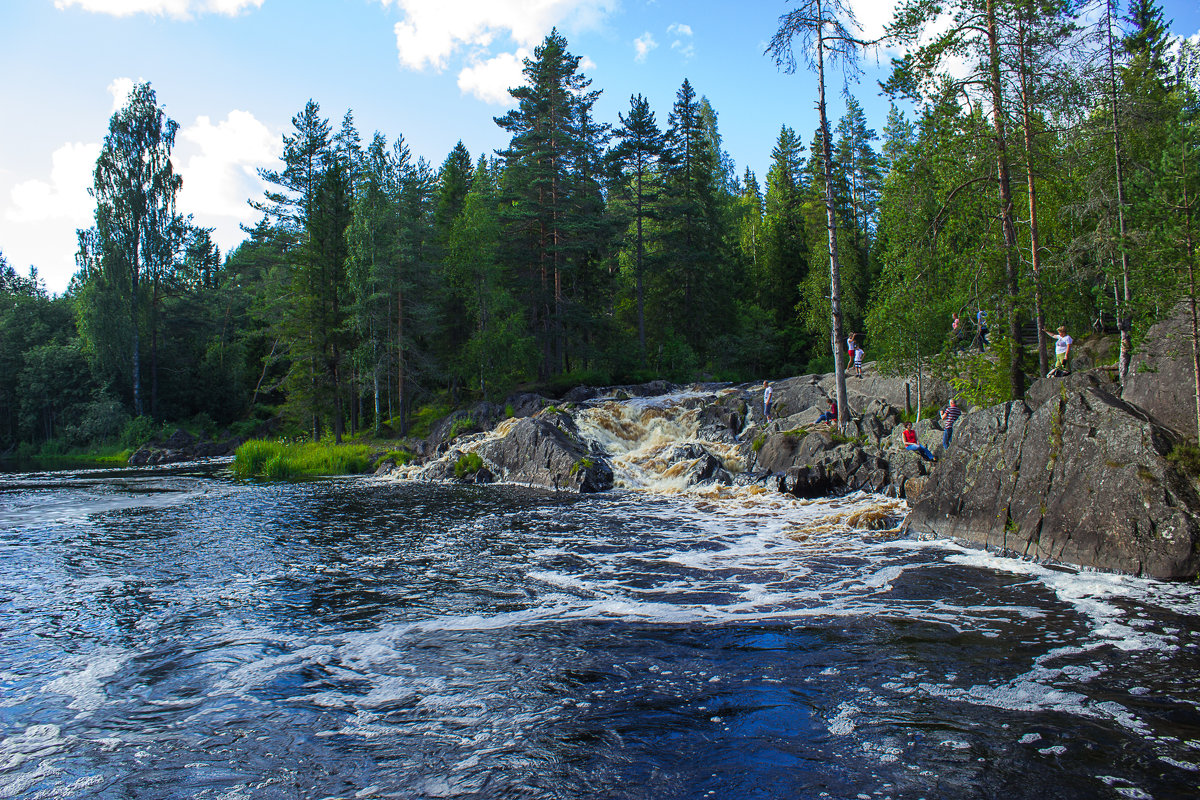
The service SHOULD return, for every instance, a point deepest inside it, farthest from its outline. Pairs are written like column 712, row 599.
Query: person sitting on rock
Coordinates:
column 910, row 443
column 1062, row 352
column 950, row 415
column 831, row 414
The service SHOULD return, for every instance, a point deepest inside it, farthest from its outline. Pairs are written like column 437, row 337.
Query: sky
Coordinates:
column 233, row 73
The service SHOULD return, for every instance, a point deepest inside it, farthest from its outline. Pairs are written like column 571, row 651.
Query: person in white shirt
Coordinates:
column 1062, row 350
column 767, row 400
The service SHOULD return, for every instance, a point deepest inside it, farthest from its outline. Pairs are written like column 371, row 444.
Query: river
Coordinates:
column 171, row 632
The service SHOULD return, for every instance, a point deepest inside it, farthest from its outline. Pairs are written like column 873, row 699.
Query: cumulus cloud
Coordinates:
column 64, row 196
column 643, row 45
column 40, row 216
column 679, row 29
column 433, row 32
column 219, row 164
column 180, row 9
column 490, row 79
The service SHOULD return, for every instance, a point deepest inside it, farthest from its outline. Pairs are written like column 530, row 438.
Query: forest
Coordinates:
column 1046, row 172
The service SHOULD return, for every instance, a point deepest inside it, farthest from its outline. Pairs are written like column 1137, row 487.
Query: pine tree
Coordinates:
column 637, row 154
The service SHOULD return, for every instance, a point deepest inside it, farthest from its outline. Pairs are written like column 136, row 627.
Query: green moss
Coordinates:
column 467, row 464
column 423, row 419
column 759, row 441
column 584, row 463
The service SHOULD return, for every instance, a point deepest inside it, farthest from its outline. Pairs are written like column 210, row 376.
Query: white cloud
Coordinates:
column 39, row 219
column 683, row 43
column 180, row 9
column 490, row 79
column 433, row 31
column 65, row 195
column 643, row 45
column 120, row 90
column 219, row 164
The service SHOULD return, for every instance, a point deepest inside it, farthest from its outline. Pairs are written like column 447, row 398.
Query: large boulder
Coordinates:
column 546, row 450
column 1162, row 378
column 1082, row 478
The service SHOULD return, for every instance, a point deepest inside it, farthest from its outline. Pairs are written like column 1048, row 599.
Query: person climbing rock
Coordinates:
column 950, row 415
column 831, row 414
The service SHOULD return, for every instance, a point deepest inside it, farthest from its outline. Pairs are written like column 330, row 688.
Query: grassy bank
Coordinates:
column 274, row 461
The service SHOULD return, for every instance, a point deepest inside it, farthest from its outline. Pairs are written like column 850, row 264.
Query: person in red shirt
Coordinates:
column 910, row 443
column 831, row 414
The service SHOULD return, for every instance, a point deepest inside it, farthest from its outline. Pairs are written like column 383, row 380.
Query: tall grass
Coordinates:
column 277, row 461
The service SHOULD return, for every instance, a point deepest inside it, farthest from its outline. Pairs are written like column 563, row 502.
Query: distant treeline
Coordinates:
column 592, row 251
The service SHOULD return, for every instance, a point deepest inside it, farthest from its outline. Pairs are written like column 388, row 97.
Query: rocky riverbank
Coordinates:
column 1076, row 473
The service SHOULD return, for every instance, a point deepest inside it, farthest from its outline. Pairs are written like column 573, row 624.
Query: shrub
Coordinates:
column 467, row 464
column 463, row 425
column 138, row 431
column 100, row 420
column 1186, row 457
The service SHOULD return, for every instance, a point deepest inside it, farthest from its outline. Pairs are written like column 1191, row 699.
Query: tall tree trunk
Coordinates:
column 154, row 347
column 400, row 362
column 1124, row 323
column 641, row 302
column 1016, row 377
column 1035, row 254
column 835, row 276
column 133, row 308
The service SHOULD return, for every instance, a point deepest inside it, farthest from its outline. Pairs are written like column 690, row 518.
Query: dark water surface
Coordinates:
column 172, row 633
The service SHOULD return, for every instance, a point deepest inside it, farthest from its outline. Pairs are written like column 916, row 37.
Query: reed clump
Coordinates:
column 281, row 461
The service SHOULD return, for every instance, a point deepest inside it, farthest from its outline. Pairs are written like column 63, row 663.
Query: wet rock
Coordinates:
column 525, row 404
column 722, row 421
column 546, row 451
column 1083, row 479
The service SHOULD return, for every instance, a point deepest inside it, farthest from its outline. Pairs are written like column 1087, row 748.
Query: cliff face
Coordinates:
column 1081, row 477
column 1162, row 378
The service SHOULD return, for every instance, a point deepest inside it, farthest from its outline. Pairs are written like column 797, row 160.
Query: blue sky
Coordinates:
column 232, row 73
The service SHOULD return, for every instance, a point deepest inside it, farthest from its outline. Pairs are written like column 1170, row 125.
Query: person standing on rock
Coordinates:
column 767, row 401
column 910, row 443
column 950, row 415
column 1062, row 351
column 858, row 357
column 982, row 332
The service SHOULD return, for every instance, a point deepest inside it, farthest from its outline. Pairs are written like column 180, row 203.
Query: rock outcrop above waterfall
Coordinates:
column 546, row 450
column 1081, row 477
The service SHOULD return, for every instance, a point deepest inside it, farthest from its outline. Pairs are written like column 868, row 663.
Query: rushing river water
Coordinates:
column 173, row 633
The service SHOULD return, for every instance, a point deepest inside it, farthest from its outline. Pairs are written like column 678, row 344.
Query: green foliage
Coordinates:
column 582, row 464
column 268, row 460
column 467, row 464
column 400, row 457
column 981, row 379
column 426, row 416
column 758, row 442
column 1186, row 457
column 463, row 425
column 138, row 431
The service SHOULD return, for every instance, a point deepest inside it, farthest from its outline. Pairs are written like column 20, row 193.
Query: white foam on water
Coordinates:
column 85, row 687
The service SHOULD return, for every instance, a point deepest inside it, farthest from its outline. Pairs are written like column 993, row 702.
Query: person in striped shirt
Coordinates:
column 949, row 416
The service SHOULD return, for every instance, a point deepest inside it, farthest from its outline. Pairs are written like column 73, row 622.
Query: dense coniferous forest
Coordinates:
column 1046, row 173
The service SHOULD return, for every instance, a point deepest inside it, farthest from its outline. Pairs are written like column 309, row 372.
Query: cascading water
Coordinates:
column 173, row 633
